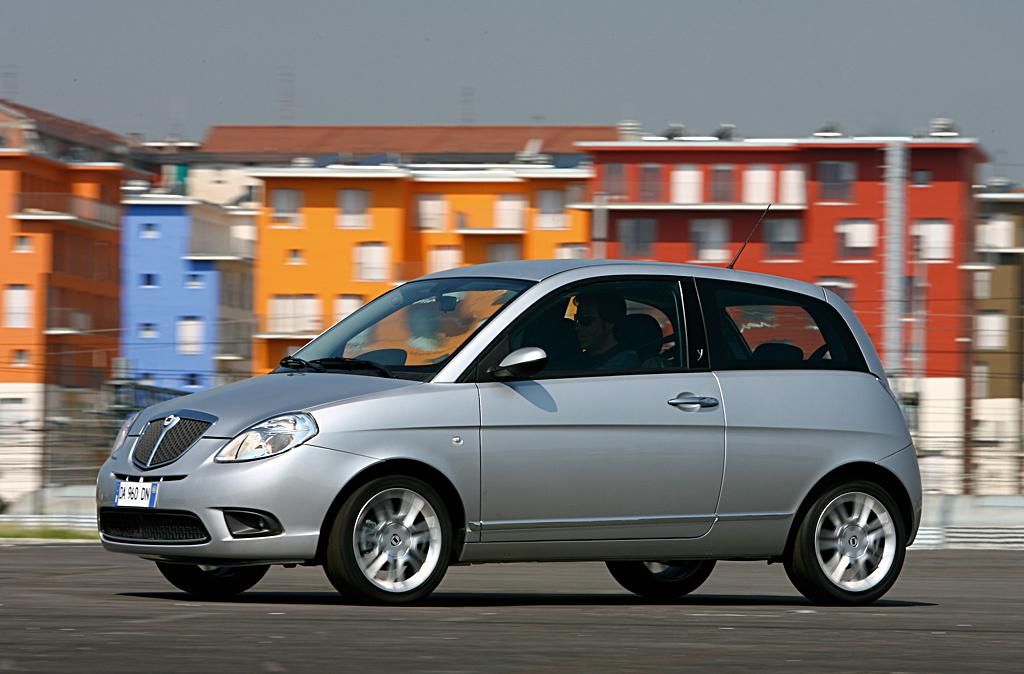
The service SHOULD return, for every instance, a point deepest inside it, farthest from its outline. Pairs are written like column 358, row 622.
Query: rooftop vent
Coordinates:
column 727, row 132
column 942, row 127
column 303, row 162
column 674, row 131
column 629, row 130
column 829, row 130
column 135, row 186
column 1000, row 184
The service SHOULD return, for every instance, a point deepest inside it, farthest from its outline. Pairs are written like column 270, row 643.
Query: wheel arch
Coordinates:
column 861, row 470
column 432, row 476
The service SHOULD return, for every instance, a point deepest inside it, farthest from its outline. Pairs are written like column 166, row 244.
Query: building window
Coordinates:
column 687, row 184
column 723, row 183
column 551, row 209
column 782, row 238
column 982, row 285
column 286, row 205
column 149, row 230
column 373, row 261
column 793, row 189
column 148, row 331
column 650, row 182
column 22, row 244
column 836, row 179
column 441, row 258
column 504, row 252
column 190, row 335
column 710, row 238
column 146, row 379
column 295, row 314
column 979, row 381
column 508, row 211
column 20, row 357
column 295, row 257
column 17, row 306
column 933, row 240
column 856, row 239
column 194, row 281
column 921, row 177
column 990, row 330
column 149, row 280
column 636, row 237
column 996, row 231
column 571, row 251
column 614, row 180
column 758, row 184
column 430, row 211
column 840, row 286
column 354, row 205
column 191, row 381
column 346, row 305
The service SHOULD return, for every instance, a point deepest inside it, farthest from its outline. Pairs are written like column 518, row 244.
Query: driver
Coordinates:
column 599, row 315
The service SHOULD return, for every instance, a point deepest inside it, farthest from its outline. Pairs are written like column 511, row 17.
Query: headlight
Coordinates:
column 122, row 434
column 269, row 438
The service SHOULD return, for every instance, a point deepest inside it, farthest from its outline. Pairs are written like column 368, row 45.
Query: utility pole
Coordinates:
column 599, row 231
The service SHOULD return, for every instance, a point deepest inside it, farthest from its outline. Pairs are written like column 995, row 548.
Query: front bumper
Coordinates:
column 296, row 487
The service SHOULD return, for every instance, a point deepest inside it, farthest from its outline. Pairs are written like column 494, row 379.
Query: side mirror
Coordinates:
column 520, row 364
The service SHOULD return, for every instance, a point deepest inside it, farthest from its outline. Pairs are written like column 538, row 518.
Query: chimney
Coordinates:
column 942, row 127
column 629, row 130
column 727, row 132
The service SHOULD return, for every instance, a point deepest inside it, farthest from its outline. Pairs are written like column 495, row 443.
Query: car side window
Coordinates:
column 607, row 327
column 753, row 327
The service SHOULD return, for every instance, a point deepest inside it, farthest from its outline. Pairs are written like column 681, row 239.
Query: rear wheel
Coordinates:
column 850, row 546
column 661, row 580
column 390, row 542
column 217, row 582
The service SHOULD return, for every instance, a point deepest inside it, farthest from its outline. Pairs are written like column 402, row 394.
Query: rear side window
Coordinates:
column 750, row 327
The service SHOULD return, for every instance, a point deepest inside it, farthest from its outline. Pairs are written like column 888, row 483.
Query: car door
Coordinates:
column 588, row 450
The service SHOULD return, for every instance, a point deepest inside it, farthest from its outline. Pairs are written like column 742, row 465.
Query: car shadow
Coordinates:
column 495, row 599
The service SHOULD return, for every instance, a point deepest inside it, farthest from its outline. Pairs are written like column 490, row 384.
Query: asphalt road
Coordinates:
column 78, row 608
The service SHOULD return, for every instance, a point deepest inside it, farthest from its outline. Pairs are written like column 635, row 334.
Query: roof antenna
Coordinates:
column 756, row 225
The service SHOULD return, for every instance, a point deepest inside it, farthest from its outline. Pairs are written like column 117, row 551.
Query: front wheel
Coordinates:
column 213, row 583
column 849, row 547
column 390, row 542
column 661, row 580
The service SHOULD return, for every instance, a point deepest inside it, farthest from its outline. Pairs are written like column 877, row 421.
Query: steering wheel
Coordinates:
column 819, row 353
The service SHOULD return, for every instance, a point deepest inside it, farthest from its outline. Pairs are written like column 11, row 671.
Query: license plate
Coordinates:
column 136, row 494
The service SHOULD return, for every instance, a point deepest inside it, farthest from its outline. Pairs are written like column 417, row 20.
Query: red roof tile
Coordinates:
column 68, row 129
column 314, row 140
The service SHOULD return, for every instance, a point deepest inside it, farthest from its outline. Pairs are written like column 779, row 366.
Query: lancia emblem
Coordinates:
column 171, row 420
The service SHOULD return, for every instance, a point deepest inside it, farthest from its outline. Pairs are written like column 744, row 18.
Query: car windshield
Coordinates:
column 410, row 332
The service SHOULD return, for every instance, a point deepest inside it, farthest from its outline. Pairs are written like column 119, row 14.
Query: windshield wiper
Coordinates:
column 342, row 363
column 293, row 363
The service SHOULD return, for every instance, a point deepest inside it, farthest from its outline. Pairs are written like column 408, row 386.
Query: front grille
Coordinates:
column 166, row 527
column 157, row 448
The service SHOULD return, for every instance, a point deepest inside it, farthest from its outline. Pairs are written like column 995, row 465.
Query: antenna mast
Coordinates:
column 754, row 229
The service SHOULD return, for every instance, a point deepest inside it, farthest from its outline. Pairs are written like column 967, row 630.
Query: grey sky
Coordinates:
column 772, row 68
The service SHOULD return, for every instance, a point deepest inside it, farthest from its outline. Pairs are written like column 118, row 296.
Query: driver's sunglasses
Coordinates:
column 584, row 321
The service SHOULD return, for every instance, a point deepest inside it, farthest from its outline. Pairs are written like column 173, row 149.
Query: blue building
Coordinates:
column 186, row 292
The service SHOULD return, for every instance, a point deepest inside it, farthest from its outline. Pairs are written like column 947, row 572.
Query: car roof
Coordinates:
column 539, row 270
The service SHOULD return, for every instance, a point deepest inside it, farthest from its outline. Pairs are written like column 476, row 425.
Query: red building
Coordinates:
column 887, row 222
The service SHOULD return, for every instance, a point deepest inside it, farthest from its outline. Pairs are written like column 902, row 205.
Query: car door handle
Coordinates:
column 693, row 401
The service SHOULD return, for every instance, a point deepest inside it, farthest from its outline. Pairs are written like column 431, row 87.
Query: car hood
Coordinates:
column 239, row 405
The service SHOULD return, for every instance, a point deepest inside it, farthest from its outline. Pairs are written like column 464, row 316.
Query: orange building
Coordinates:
column 60, row 190
column 332, row 238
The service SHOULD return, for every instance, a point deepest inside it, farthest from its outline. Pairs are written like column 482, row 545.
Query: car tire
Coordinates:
column 216, row 583
column 661, row 580
column 390, row 542
column 842, row 555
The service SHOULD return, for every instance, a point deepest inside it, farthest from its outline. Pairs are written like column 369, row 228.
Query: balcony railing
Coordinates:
column 62, row 205
column 68, row 320
column 292, row 324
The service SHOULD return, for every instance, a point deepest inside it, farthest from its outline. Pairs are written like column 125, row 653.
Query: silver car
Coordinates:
column 656, row 417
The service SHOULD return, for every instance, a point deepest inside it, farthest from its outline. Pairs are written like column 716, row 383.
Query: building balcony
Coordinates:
column 62, row 206
column 290, row 326
column 672, row 206
column 67, row 321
